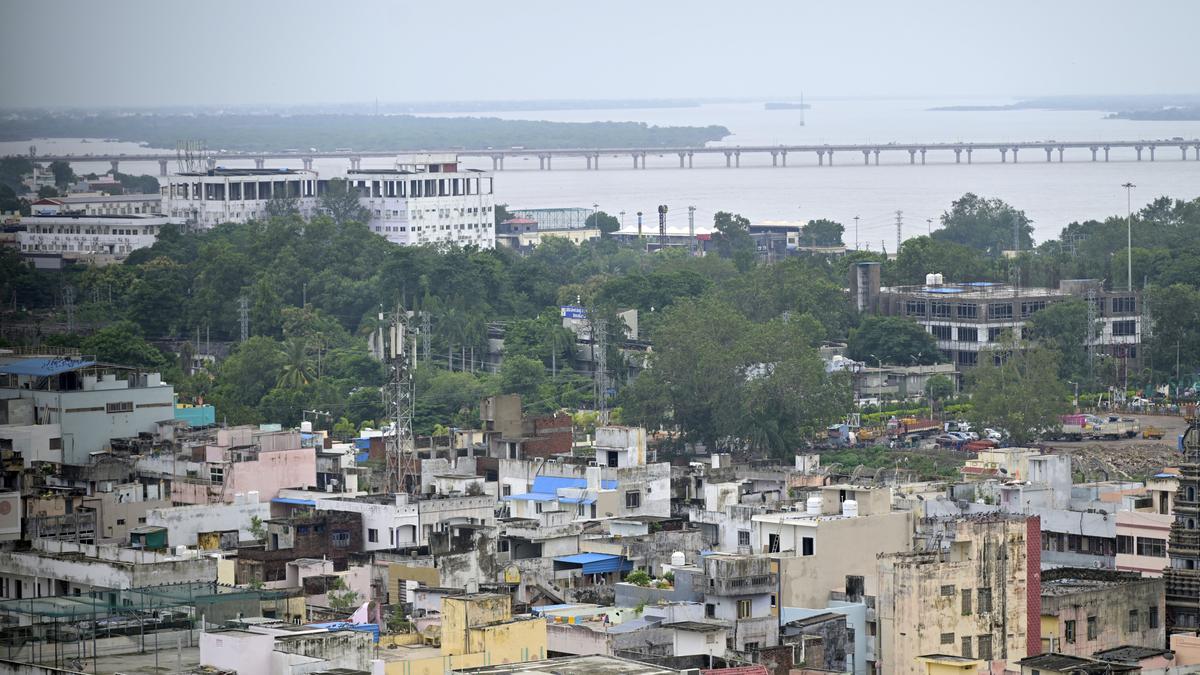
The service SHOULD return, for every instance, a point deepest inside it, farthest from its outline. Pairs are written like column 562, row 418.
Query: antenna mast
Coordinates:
column 899, row 230
column 403, row 474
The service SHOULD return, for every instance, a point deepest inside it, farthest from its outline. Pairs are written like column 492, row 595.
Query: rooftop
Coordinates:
column 1130, row 653
column 1064, row 663
column 573, row 665
column 696, row 626
column 973, row 290
column 223, row 171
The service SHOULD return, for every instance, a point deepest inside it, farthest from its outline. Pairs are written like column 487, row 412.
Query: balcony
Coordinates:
column 751, row 585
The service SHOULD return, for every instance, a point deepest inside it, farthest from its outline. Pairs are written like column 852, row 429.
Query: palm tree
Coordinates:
column 297, row 366
column 557, row 340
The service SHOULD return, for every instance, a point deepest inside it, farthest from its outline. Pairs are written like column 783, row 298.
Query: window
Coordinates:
column 947, row 638
column 710, row 611
column 985, row 647
column 966, row 646
column 806, row 545
column 995, row 333
column 1125, row 544
column 914, row 308
column 983, row 597
column 998, row 310
column 1122, row 328
column 1028, row 309
column 948, row 590
column 941, row 332
column 968, row 358
column 966, row 602
column 340, row 539
column 1152, row 617
column 743, row 609
column 710, row 638
column 118, row 407
column 506, row 491
column 216, row 474
column 120, row 521
column 968, row 311
column 373, row 535
column 633, row 499
column 1069, row 631
column 941, row 309
column 773, row 543
column 968, row 334
column 1133, row 625
column 1092, row 628
column 743, row 537
column 1123, row 305
column 1156, row 548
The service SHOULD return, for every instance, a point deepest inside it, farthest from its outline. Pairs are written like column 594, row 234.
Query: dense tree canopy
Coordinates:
column 821, row 232
column 892, row 339
column 987, row 225
column 1022, row 395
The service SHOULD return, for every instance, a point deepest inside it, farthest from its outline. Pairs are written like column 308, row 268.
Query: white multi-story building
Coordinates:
column 77, row 235
column 429, row 199
column 205, row 199
column 112, row 205
column 423, row 199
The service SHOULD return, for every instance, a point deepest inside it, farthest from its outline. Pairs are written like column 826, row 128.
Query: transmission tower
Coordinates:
column 662, row 227
column 403, row 475
column 692, row 230
column 899, row 230
column 601, row 345
column 244, row 316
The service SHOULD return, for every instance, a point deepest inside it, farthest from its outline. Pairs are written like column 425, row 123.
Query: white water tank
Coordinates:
column 850, row 508
column 678, row 559
column 306, row 427
column 931, row 279
column 813, row 506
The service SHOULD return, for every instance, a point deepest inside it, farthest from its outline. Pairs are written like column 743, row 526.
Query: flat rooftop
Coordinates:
column 574, row 665
column 1057, row 587
column 222, row 171
column 972, row 290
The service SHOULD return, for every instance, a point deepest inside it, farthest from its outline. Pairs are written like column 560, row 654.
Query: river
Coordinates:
column 1052, row 194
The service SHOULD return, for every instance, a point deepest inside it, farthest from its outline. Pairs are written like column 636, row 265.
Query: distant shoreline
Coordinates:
column 1118, row 107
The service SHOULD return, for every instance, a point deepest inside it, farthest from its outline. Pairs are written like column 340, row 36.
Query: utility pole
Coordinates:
column 1091, row 333
column 244, row 316
column 929, row 222
column 692, row 229
column 899, row 230
column 402, row 472
column 426, row 334
column 600, row 343
column 662, row 227
column 1129, row 231
column 855, row 233
column 69, row 301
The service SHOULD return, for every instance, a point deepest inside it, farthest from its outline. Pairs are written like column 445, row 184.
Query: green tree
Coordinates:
column 245, row 377
column 638, row 578
column 64, row 176
column 297, row 364
column 1022, row 395
column 731, row 233
column 1063, row 326
column 892, row 339
column 9, row 202
column 341, row 598
column 1174, row 345
column 340, row 202
column 47, row 192
column 282, row 206
column 925, row 255
column 502, row 213
column 985, row 224
column 604, row 222
column 821, row 232
column 13, row 170
column 522, row 375
column 939, row 387
column 122, row 343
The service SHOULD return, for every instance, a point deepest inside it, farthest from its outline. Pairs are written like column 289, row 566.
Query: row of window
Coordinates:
column 1147, row 546
column 984, row 643
column 81, row 229
column 1133, row 624
column 970, row 310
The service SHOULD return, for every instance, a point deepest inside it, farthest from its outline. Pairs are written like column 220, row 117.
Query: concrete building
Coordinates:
column 972, row 591
column 524, row 234
column 97, row 238
column 241, row 461
column 277, row 648
column 1085, row 611
column 968, row 319
column 120, row 508
column 313, row 534
column 205, row 199
column 189, row 524
column 99, row 204
column 92, row 404
column 1182, row 575
column 391, row 522
column 739, row 590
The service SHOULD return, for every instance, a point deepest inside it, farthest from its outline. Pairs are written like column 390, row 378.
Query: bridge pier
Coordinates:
column 1093, row 149
column 820, row 158
column 1139, row 152
column 681, row 156
column 596, row 161
column 831, row 157
column 114, row 163
column 162, row 163
column 495, row 163
column 1152, row 149
column 260, row 162
column 922, row 156
column 1003, row 155
column 866, row 157
column 1060, row 154
column 1106, row 149
column 1015, row 149
column 774, row 159
column 211, row 162
column 588, row 159
column 737, row 159
column 1198, row 153
column 1183, row 152
column 876, row 151
column 728, row 159
column 634, row 155
column 355, row 163
column 643, row 160
column 958, row 155
column 1048, row 151
column 912, row 156
column 782, row 157
column 969, row 150
column 307, row 163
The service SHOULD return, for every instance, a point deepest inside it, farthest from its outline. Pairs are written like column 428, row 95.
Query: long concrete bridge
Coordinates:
column 870, row 152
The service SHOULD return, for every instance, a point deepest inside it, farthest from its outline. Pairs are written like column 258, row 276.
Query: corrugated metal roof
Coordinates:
column 596, row 563
column 43, row 367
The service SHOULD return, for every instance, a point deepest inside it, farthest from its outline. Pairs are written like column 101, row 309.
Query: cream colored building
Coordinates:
column 967, row 597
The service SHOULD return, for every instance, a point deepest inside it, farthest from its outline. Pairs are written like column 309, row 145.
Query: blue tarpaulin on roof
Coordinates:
column 533, row 497
column 594, row 563
column 362, row 443
column 362, row 457
column 371, row 628
column 294, row 501
column 556, row 483
column 43, row 367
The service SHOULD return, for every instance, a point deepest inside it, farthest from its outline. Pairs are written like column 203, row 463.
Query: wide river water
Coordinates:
column 1052, row 194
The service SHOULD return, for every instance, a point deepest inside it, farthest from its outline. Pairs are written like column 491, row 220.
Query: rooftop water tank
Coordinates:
column 306, row 427
column 678, row 559
column 850, row 508
column 813, row 506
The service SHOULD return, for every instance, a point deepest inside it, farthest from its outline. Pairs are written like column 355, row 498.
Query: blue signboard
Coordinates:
column 572, row 312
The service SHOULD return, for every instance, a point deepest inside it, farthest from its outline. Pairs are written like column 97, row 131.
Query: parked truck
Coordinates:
column 1081, row 427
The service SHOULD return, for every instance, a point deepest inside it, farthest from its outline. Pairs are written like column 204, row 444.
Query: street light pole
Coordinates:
column 1129, row 231
column 855, row 233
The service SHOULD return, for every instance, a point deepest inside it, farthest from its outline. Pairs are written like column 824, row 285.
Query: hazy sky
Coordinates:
column 161, row 52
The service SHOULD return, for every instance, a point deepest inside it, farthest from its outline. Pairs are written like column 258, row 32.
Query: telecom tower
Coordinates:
column 403, row 474
column 1091, row 331
column 899, row 230
column 692, row 230
column 601, row 355
column 662, row 227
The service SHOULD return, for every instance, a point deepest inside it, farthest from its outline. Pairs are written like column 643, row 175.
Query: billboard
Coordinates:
column 572, row 312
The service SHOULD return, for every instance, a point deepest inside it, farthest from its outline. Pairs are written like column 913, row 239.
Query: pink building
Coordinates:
column 244, row 460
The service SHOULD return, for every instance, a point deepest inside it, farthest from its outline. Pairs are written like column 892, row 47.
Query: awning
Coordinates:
column 43, row 367
column 593, row 563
